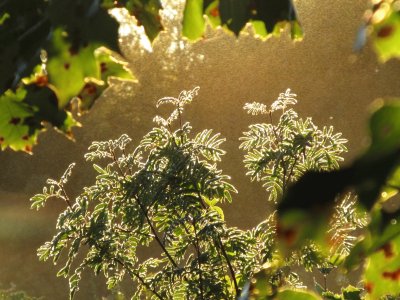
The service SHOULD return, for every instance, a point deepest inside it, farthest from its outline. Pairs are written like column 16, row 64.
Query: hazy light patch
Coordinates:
column 128, row 27
column 170, row 52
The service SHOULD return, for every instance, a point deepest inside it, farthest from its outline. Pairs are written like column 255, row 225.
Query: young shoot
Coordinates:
column 279, row 152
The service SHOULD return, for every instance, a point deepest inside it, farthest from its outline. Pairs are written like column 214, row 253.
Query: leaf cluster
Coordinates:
column 278, row 154
column 166, row 191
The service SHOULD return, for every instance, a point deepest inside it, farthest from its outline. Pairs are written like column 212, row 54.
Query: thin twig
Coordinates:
column 140, row 279
column 222, row 248
column 197, row 246
column 116, row 162
column 229, row 265
column 66, row 198
column 155, row 234
column 278, row 139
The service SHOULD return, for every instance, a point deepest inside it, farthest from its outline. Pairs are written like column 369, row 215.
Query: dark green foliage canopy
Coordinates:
column 50, row 56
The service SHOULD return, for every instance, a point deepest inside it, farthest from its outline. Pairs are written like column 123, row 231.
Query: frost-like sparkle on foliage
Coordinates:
column 256, row 108
column 345, row 221
column 185, row 97
column 284, row 100
column 279, row 153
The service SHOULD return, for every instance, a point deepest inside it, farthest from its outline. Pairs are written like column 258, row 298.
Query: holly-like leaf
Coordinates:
column 386, row 37
column 70, row 32
column 146, row 13
column 44, row 101
column 67, row 68
column 382, row 274
column 351, row 293
column 14, row 132
column 25, row 111
column 267, row 16
column 274, row 14
column 385, row 127
column 110, row 67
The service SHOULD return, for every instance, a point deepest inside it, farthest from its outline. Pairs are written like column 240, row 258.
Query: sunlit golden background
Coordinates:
column 334, row 86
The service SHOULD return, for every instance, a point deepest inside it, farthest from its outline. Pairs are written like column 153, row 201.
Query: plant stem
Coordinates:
column 116, row 162
column 66, row 198
column 140, row 279
column 155, row 234
column 197, row 246
column 222, row 248
column 129, row 168
column 273, row 128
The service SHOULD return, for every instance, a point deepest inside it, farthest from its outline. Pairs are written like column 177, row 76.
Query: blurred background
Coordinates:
column 335, row 86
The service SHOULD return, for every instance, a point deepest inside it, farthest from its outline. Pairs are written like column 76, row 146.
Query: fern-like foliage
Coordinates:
column 279, row 151
column 165, row 191
column 345, row 222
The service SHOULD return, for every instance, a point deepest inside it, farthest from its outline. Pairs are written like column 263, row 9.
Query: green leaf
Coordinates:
column 219, row 211
column 99, row 169
column 382, row 273
column 14, row 133
column 70, row 31
column 386, row 35
column 193, row 23
column 67, row 69
column 267, row 17
column 110, row 68
column 351, row 293
column 288, row 294
column 383, row 228
column 38, row 201
column 385, row 127
column 147, row 14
